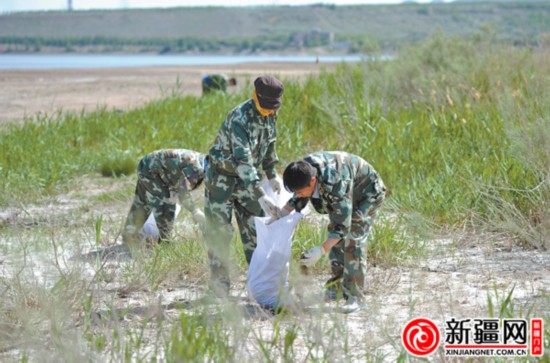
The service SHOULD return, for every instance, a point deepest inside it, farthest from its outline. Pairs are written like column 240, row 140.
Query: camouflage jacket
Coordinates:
column 344, row 180
column 180, row 171
column 245, row 142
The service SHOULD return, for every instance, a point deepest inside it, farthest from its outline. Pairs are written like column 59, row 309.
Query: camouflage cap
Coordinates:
column 269, row 91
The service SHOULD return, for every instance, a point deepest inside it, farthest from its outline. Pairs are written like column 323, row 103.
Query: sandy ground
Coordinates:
column 456, row 279
column 25, row 93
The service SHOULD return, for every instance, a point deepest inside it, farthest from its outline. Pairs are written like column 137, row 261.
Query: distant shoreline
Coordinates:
column 97, row 61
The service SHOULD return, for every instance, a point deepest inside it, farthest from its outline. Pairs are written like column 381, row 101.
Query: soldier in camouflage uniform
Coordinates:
column 164, row 178
column 245, row 142
column 216, row 82
column 349, row 189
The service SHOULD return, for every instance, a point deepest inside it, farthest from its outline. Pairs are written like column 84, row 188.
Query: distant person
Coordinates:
column 349, row 189
column 216, row 82
column 165, row 177
column 244, row 144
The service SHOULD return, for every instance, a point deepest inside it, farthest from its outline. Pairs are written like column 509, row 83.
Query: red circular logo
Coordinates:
column 420, row 337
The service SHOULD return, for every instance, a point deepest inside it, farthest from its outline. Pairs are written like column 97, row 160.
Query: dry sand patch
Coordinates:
column 25, row 93
column 454, row 280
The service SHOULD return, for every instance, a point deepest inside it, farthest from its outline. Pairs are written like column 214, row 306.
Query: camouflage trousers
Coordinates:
column 223, row 195
column 348, row 258
column 151, row 196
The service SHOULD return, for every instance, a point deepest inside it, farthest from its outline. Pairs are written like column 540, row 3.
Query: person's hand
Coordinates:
column 275, row 185
column 308, row 258
column 269, row 207
column 199, row 217
column 284, row 213
column 173, row 197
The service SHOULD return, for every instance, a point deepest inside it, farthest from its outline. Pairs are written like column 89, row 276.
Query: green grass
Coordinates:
column 500, row 305
column 440, row 123
column 118, row 164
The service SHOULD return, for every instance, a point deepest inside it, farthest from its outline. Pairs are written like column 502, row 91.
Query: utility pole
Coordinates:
column 70, row 5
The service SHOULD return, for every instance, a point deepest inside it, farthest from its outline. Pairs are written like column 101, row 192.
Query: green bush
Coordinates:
column 117, row 164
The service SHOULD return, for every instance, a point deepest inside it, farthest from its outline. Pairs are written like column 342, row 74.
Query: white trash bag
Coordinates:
column 267, row 279
column 268, row 271
column 150, row 231
column 283, row 197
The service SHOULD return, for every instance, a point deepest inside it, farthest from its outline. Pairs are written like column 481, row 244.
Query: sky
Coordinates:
column 33, row 5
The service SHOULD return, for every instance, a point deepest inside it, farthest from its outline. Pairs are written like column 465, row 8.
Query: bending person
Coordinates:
column 165, row 177
column 350, row 191
column 216, row 82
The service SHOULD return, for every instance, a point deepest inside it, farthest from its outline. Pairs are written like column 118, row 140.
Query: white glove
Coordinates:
column 269, row 207
column 308, row 258
column 284, row 213
column 199, row 217
column 275, row 185
column 173, row 197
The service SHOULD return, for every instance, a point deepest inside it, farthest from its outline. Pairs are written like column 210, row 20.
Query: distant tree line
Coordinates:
column 175, row 45
column 160, row 45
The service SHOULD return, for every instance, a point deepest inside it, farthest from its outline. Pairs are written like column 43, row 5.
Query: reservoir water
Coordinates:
column 66, row 61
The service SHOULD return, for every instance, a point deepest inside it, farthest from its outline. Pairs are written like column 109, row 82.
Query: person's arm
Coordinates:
column 340, row 218
column 184, row 187
column 329, row 243
column 288, row 209
column 186, row 200
column 168, row 183
column 313, row 255
column 242, row 158
column 268, row 165
column 271, row 158
column 340, row 222
column 245, row 168
column 296, row 203
column 285, row 211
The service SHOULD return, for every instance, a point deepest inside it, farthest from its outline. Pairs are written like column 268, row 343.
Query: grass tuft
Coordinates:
column 117, row 164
